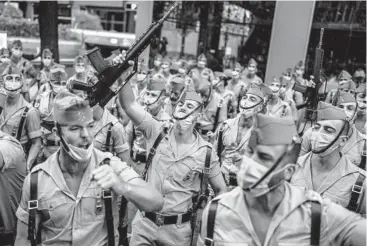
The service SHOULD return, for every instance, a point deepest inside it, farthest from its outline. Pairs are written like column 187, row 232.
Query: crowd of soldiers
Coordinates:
column 183, row 155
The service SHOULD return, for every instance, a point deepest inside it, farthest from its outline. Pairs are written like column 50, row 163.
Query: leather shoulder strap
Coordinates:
column 316, row 212
column 152, row 151
column 206, row 171
column 362, row 165
column 220, row 143
column 32, row 209
column 107, row 197
column 132, row 142
column 108, row 143
column 357, row 190
column 212, row 213
column 21, row 123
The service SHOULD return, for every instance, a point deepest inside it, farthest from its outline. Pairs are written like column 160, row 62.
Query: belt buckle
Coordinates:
column 33, row 204
column 358, row 187
column 106, row 194
column 159, row 219
column 209, row 241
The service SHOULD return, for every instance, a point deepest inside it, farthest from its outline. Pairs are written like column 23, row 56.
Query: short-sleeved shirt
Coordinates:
column 67, row 219
column 338, row 184
column 176, row 173
column 12, row 175
column 352, row 149
column 290, row 225
column 232, row 150
column 118, row 136
column 10, row 118
column 44, row 103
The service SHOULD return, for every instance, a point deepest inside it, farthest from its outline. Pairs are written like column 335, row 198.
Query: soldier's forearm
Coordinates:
column 33, row 152
column 142, row 195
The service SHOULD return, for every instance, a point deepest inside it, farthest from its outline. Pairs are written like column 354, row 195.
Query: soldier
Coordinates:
column 4, row 59
column 183, row 70
column 345, row 83
column 232, row 136
column 165, row 70
column 18, row 118
column 200, row 68
column 70, row 187
column 28, row 71
column 139, row 88
column 156, row 64
column 55, row 80
column 325, row 169
column 354, row 145
column 266, row 210
column 285, row 84
column 12, row 174
column 177, row 86
column 298, row 73
column 275, row 105
column 359, row 77
column 361, row 109
column 214, row 111
column 250, row 73
column 48, row 65
column 80, row 71
column 175, row 166
column 289, row 93
column 235, row 86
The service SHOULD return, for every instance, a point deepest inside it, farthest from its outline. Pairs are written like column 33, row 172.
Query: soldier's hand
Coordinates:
column 210, row 134
column 121, row 58
column 106, row 177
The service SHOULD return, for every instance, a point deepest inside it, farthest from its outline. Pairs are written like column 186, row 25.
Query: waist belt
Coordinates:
column 160, row 219
column 50, row 143
column 232, row 179
column 137, row 157
column 7, row 238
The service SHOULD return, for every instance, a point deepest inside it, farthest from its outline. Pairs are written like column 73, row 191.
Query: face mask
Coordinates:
column 56, row 88
column 46, row 62
column 80, row 154
column 350, row 110
column 185, row 124
column 5, row 60
column 251, row 172
column 140, row 77
column 282, row 90
column 12, row 94
column 251, row 70
column 201, row 64
column 319, row 141
column 299, row 72
column 157, row 63
column 12, row 86
column 248, row 109
column 79, row 69
column 235, row 74
column 182, row 71
column 16, row 53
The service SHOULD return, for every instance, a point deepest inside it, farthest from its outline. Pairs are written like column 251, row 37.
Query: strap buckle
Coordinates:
column 357, row 189
column 106, row 194
column 33, row 204
column 159, row 219
column 152, row 151
column 208, row 241
column 206, row 170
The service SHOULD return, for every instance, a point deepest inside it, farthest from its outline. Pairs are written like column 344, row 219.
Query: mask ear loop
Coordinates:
column 160, row 94
column 58, row 128
column 335, row 139
column 253, row 106
column 176, row 118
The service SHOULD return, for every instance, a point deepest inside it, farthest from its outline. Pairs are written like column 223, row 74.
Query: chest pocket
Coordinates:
column 92, row 205
column 188, row 172
column 339, row 193
column 53, row 211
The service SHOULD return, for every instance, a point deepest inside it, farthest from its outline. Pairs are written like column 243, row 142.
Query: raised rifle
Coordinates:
column 311, row 93
column 101, row 93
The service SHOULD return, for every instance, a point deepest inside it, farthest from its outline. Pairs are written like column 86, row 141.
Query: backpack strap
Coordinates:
column 21, row 124
column 1, row 110
column 122, row 228
column 132, row 143
column 152, row 151
column 108, row 143
column 220, row 143
column 32, row 209
column 362, row 165
column 316, row 212
column 216, row 117
column 212, row 213
column 357, row 190
column 107, row 197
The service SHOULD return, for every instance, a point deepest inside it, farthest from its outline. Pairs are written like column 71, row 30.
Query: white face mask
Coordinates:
column 201, row 64
column 235, row 74
column 140, row 77
column 282, row 90
column 80, row 154
column 320, row 141
column 247, row 108
column 299, row 72
column 182, row 70
column 79, row 69
column 251, row 172
column 46, row 62
column 274, row 87
column 251, row 70
column 5, row 60
column 157, row 63
column 16, row 53
column 184, row 124
column 12, row 94
column 56, row 88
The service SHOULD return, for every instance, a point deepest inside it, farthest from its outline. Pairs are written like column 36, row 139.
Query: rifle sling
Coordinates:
column 357, row 190
column 212, row 213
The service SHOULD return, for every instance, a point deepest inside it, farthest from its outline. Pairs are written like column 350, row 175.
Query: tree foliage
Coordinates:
column 86, row 20
column 8, row 10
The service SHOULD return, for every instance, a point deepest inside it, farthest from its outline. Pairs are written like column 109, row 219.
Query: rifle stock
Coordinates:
column 100, row 93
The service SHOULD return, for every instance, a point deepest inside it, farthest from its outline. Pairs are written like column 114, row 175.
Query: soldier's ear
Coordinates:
column 289, row 171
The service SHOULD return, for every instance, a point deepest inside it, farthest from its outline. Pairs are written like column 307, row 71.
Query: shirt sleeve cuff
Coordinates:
column 22, row 215
column 35, row 134
column 121, row 148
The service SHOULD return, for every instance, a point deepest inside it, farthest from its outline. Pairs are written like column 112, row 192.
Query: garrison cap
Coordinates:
column 191, row 94
column 70, row 109
column 10, row 69
column 177, row 83
column 326, row 111
column 345, row 97
column 350, row 85
column 46, row 52
column 201, row 57
column 79, row 59
column 156, row 83
column 269, row 130
column 58, row 73
column 17, row 44
column 299, row 65
column 158, row 57
column 361, row 89
column 344, row 75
